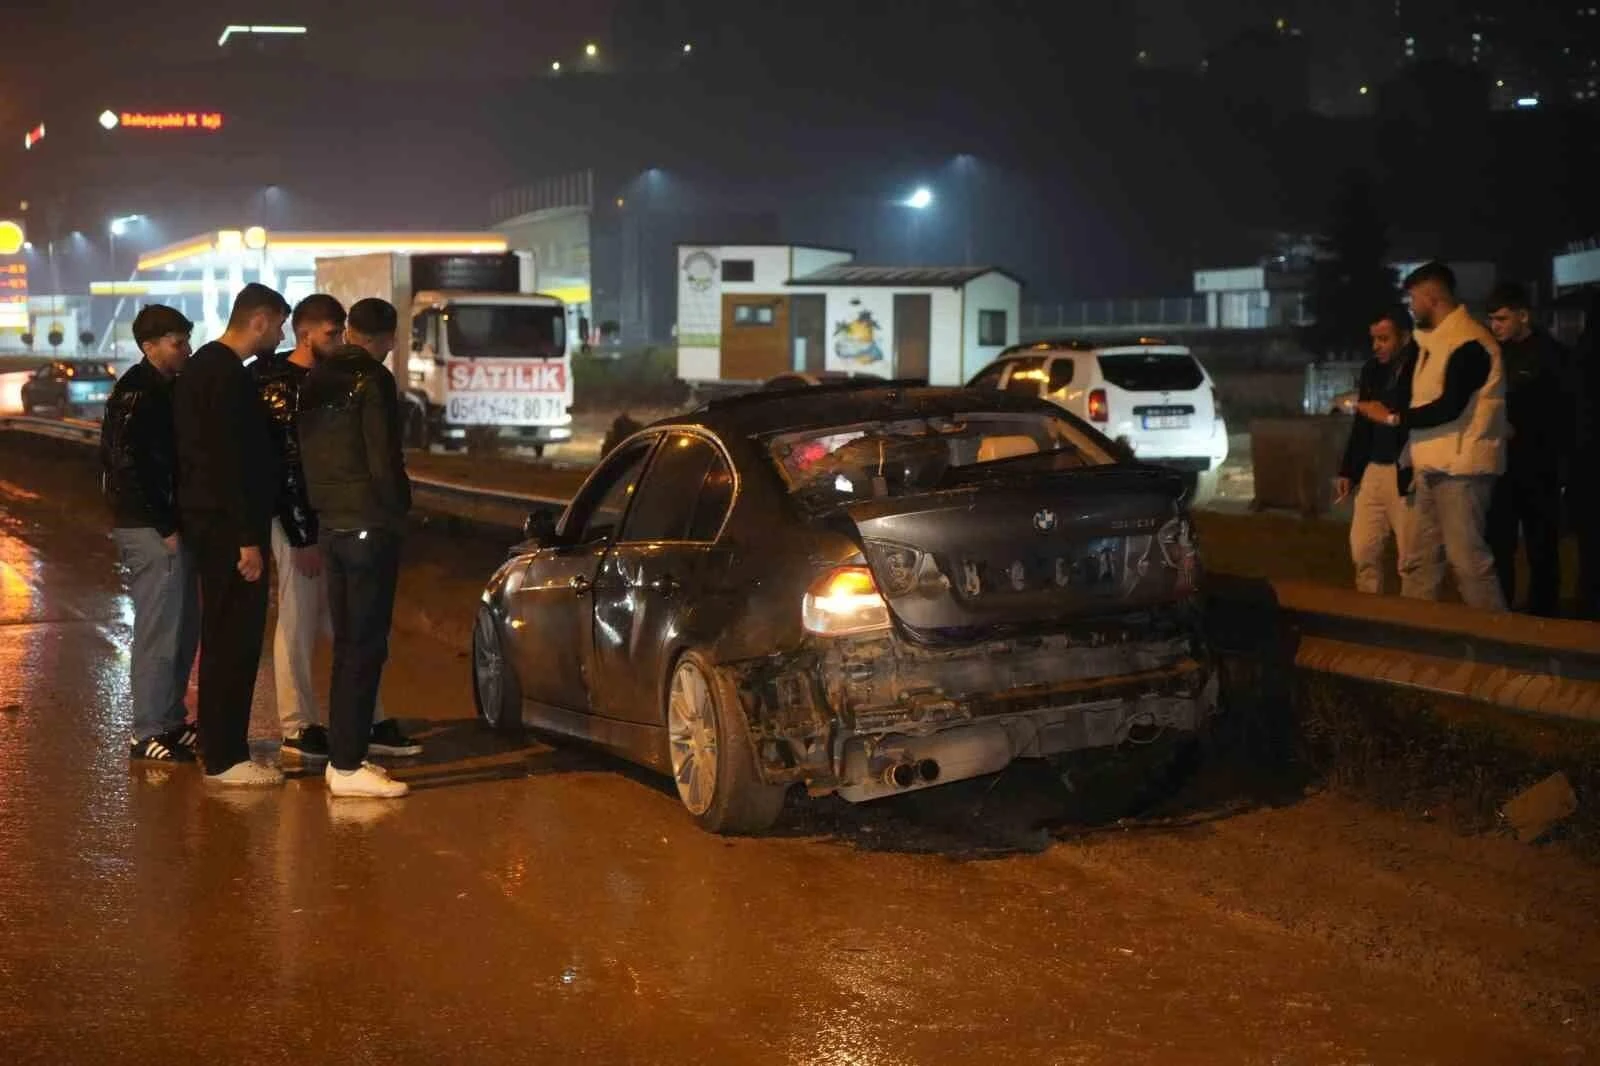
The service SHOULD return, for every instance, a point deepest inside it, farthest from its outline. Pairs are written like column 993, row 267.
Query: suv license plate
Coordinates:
column 1166, row 421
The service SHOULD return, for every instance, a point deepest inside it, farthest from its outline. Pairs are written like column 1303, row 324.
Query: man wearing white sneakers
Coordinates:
column 349, row 427
column 303, row 612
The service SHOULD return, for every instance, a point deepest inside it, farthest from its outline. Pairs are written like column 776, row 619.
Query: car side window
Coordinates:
column 1027, row 375
column 988, row 378
column 685, row 493
column 598, row 512
column 1061, row 369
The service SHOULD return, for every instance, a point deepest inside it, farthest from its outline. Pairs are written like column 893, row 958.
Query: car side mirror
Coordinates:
column 540, row 527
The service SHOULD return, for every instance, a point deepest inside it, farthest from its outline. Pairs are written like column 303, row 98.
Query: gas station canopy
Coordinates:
column 297, row 253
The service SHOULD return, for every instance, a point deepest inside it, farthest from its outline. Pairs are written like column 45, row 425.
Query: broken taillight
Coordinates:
column 843, row 601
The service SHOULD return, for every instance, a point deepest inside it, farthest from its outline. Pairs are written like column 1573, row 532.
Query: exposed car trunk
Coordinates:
column 1011, row 547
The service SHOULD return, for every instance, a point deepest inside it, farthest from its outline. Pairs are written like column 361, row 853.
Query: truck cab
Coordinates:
column 489, row 361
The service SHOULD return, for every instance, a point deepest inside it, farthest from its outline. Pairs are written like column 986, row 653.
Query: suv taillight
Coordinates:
column 1099, row 410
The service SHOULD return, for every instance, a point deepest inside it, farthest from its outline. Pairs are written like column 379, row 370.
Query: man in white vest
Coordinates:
column 1458, row 432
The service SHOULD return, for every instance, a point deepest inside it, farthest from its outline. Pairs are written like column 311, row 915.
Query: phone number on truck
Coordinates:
column 477, row 409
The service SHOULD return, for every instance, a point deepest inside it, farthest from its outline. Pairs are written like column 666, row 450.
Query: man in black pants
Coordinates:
column 227, row 484
column 1527, row 498
column 350, row 447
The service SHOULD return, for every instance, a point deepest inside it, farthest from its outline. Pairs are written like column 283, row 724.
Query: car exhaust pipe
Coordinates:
column 928, row 770
column 900, row 775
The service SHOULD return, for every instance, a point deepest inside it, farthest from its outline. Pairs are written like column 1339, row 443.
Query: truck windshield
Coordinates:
column 506, row 331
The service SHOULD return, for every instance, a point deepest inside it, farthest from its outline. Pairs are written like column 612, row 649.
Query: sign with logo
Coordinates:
column 506, row 392
column 200, row 121
column 699, row 298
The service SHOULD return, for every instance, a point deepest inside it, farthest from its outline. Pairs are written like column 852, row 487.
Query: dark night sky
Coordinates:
column 1099, row 179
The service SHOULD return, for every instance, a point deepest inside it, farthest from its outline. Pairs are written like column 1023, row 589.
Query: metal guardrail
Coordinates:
column 77, row 430
column 1542, row 667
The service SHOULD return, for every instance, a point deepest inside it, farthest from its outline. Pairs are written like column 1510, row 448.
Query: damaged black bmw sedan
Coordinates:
column 861, row 588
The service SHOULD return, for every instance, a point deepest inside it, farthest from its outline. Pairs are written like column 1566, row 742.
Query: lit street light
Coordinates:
column 555, row 68
column 118, row 228
column 688, row 48
column 921, row 200
column 591, row 50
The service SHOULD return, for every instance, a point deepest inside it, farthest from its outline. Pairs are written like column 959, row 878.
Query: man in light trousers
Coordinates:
column 138, row 457
column 1371, row 465
column 1457, row 447
column 304, row 615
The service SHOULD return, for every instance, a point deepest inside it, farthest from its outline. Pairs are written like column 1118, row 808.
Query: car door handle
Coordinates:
column 580, row 585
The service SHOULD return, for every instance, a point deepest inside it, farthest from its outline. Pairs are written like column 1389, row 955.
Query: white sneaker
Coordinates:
column 371, row 781
column 247, row 774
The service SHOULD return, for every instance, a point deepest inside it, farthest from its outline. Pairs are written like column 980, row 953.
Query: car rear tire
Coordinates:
column 713, row 762
column 495, row 689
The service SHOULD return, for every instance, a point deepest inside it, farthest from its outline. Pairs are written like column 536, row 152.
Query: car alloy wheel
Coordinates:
column 692, row 737
column 491, row 682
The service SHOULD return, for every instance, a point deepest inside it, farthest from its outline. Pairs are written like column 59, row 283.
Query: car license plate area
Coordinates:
column 504, row 409
column 1094, row 567
column 1175, row 417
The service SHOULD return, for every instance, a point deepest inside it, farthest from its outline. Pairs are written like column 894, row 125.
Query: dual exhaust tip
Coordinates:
column 906, row 774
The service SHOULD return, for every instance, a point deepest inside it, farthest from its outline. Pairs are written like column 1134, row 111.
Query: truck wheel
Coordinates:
column 416, row 428
column 713, row 761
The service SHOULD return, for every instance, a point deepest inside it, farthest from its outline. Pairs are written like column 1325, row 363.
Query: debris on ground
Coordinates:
column 1534, row 811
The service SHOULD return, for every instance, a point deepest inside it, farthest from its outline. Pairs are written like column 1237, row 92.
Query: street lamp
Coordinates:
column 591, row 50
column 118, row 228
column 920, row 200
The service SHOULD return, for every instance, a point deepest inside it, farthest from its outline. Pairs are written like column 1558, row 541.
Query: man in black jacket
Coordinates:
column 227, row 483
column 138, row 459
column 1527, row 498
column 1371, row 458
column 350, row 445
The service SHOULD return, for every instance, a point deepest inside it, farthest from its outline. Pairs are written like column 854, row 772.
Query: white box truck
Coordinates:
column 478, row 353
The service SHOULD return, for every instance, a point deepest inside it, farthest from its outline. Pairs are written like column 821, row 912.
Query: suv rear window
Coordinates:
column 1152, row 371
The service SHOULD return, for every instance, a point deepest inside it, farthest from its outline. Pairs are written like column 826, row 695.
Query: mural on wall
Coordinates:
column 859, row 340
column 699, row 299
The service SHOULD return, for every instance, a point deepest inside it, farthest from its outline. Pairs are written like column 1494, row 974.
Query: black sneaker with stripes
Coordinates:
column 164, row 747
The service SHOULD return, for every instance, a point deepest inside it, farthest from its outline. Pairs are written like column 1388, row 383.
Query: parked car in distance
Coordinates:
column 1153, row 397
column 69, row 389
column 860, row 587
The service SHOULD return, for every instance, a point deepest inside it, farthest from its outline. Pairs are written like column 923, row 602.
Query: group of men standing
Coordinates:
column 212, row 460
column 1464, row 438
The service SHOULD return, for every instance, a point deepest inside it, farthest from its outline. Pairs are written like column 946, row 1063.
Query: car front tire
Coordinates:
column 713, row 761
column 495, row 689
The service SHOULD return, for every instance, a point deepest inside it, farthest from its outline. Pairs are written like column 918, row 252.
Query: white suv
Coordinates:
column 1154, row 397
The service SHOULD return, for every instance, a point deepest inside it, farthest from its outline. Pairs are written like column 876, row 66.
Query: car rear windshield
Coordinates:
column 828, row 466
column 1152, row 371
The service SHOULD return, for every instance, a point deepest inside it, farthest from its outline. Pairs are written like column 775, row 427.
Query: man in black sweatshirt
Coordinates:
column 350, row 446
column 227, row 485
column 139, row 464
column 1527, row 498
column 1372, row 456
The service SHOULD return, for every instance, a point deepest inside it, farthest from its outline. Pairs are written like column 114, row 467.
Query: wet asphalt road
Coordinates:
column 532, row 905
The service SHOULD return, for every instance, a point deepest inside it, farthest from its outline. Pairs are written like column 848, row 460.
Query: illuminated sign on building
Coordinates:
column 33, row 136
column 208, row 121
